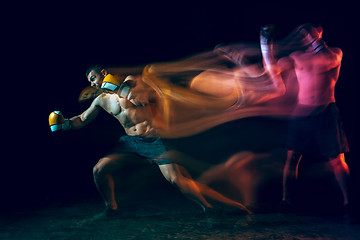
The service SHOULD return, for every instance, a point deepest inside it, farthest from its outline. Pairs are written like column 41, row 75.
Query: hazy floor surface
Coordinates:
column 171, row 218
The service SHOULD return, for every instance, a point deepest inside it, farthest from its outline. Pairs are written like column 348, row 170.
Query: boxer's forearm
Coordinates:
column 270, row 63
column 76, row 122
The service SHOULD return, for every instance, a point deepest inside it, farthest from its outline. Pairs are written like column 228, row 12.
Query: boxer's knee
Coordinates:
column 169, row 173
column 338, row 163
column 98, row 170
column 174, row 180
column 171, row 178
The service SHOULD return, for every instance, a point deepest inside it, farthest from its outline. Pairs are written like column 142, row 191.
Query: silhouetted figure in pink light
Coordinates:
column 317, row 127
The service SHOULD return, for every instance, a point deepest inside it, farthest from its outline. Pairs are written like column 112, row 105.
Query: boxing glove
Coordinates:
column 267, row 34
column 111, row 83
column 58, row 122
column 125, row 87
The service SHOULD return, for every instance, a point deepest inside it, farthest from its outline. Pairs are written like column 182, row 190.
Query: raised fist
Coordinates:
column 58, row 122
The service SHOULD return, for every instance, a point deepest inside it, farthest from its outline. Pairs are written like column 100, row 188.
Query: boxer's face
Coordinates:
column 320, row 31
column 313, row 35
column 96, row 79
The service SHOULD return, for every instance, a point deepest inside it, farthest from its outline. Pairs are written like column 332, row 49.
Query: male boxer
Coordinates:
column 133, row 104
column 317, row 128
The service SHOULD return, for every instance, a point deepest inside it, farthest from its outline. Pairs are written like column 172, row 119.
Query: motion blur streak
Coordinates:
column 227, row 83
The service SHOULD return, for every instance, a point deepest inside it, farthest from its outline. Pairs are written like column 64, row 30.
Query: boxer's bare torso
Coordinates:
column 135, row 114
column 135, row 119
column 318, row 73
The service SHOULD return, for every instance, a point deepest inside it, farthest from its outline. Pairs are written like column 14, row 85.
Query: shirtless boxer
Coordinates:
column 317, row 122
column 132, row 104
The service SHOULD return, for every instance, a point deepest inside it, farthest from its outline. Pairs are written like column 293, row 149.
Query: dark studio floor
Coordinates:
column 164, row 213
column 169, row 221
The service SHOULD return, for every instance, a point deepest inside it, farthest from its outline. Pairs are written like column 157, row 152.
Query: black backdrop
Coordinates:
column 49, row 47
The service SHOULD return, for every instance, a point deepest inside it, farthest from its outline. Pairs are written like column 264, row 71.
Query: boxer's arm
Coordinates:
column 88, row 115
column 269, row 60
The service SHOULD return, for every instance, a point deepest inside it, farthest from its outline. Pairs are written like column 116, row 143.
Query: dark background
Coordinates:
column 50, row 46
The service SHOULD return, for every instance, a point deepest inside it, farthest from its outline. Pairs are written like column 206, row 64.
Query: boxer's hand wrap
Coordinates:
column 58, row 122
column 266, row 46
column 318, row 44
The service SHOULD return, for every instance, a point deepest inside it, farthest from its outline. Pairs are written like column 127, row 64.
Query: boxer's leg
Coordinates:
column 342, row 173
column 290, row 173
column 103, row 175
column 195, row 190
column 186, row 185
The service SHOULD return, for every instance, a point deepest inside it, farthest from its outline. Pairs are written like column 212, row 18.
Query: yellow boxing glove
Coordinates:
column 58, row 122
column 115, row 84
column 111, row 83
